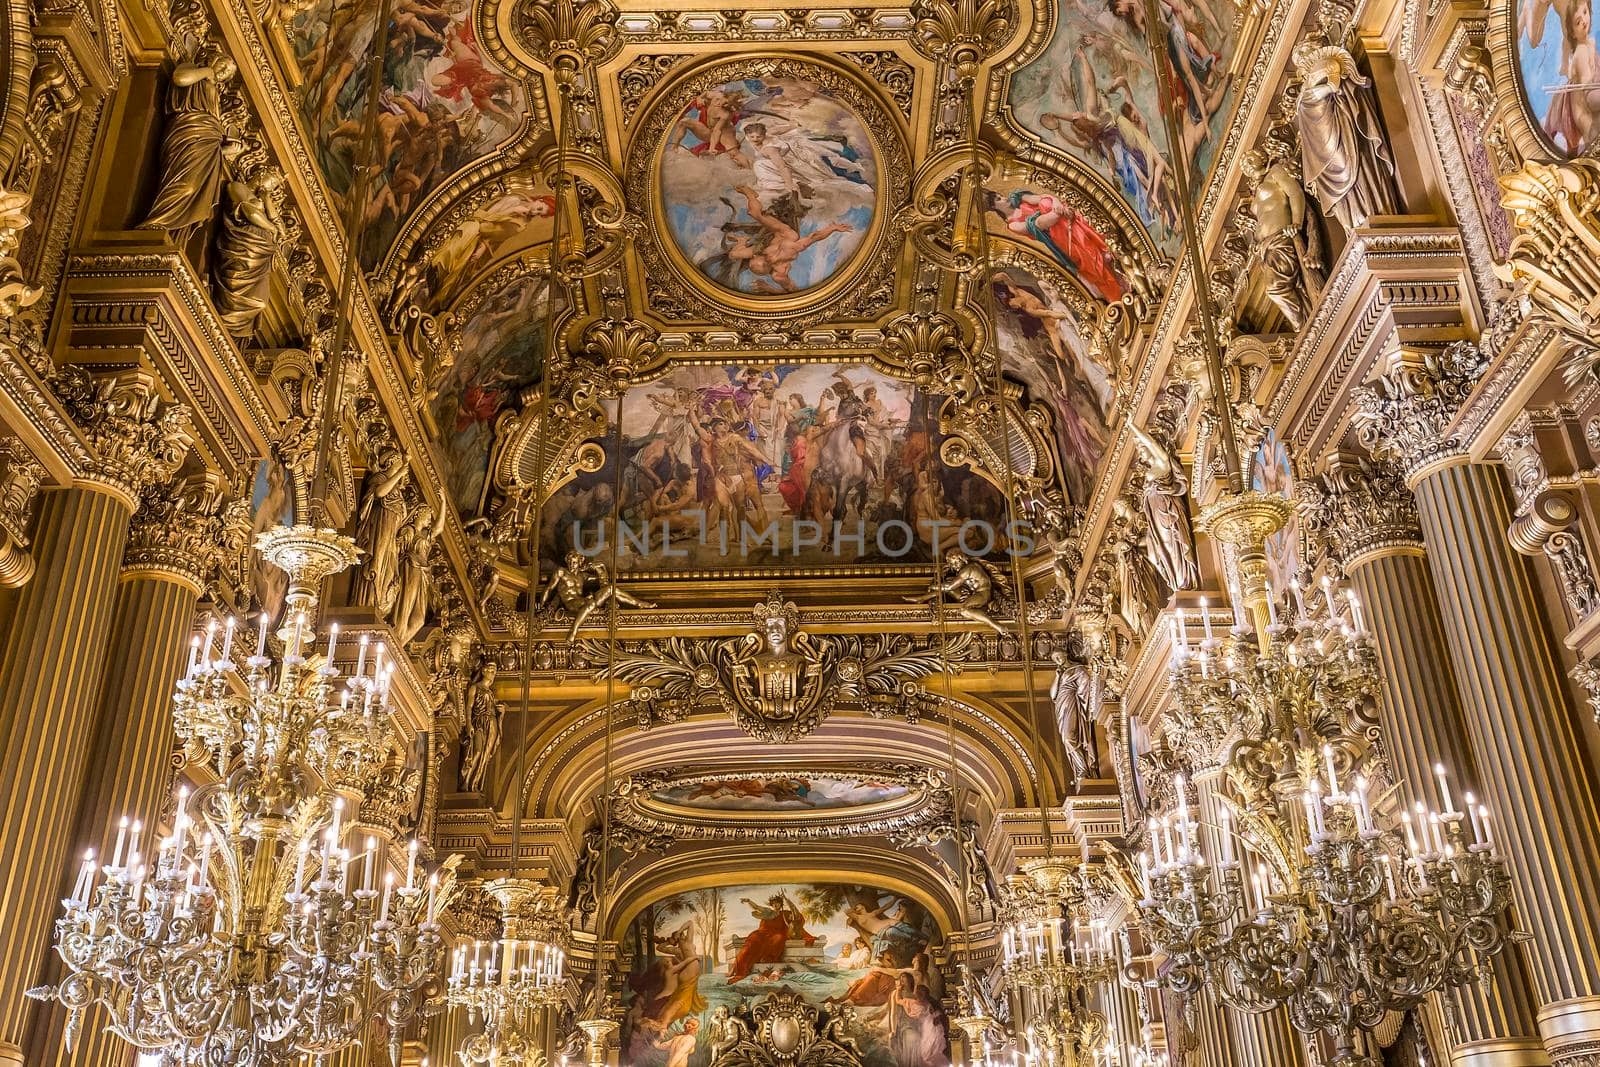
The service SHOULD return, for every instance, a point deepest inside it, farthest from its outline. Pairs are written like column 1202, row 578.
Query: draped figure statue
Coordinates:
column 1166, row 510
column 1344, row 155
column 382, row 513
column 245, row 248
column 195, row 147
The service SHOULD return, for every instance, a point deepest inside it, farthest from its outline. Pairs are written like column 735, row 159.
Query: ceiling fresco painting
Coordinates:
column 1061, row 228
column 769, row 185
column 1558, row 65
column 755, row 465
column 1093, row 92
column 500, row 345
column 700, row 953
column 1043, row 339
column 780, row 794
column 442, row 104
column 514, row 217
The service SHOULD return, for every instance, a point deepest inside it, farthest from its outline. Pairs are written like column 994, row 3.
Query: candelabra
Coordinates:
column 1340, row 920
column 509, row 996
column 255, row 934
column 1053, row 968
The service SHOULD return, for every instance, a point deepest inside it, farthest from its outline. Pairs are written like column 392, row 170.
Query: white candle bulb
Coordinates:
column 1205, row 616
column 367, row 867
column 194, row 654
column 333, row 640
column 1444, row 788
column 1488, row 834
column 1333, row 773
column 1472, row 812
column 388, row 890
column 261, row 637
column 211, row 634
column 227, row 638
column 411, row 864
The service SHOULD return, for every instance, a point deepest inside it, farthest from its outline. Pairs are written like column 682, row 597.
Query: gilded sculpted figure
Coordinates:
column 583, row 586
column 1342, row 147
column 195, row 147
column 1166, row 510
column 417, row 536
column 1072, row 693
column 245, row 247
column 481, row 736
column 378, row 523
column 1285, row 244
column 968, row 589
column 1136, row 580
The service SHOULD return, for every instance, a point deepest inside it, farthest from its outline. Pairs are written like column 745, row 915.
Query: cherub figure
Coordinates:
column 583, row 586
column 969, row 589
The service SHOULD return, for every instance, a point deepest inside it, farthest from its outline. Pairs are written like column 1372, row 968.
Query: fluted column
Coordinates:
column 1267, row 1038
column 53, row 658
column 1370, row 520
column 179, row 535
column 1518, row 718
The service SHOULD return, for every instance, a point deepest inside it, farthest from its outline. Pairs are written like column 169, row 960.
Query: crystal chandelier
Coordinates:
column 255, row 933
column 1053, row 966
column 1339, row 919
column 509, row 986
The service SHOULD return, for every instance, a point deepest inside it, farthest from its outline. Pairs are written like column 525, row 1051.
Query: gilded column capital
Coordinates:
column 1360, row 507
column 1406, row 412
column 188, row 528
column 138, row 439
column 20, row 477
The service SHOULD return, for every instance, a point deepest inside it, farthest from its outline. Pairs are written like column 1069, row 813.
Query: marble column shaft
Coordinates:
column 52, row 662
column 133, row 742
column 1520, row 724
column 1422, row 722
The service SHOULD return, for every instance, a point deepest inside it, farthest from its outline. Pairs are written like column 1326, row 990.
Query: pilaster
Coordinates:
column 53, row 659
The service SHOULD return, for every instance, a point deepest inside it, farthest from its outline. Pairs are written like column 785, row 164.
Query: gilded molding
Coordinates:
column 1556, row 249
column 20, row 475
column 777, row 681
column 1360, row 507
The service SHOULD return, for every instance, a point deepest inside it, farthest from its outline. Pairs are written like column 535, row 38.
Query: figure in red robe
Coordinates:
column 779, row 920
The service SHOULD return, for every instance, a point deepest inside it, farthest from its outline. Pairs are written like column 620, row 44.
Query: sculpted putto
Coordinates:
column 583, row 586
column 968, row 589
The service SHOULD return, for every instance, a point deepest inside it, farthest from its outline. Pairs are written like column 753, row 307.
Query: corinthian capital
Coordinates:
column 20, row 476
column 139, row 439
column 189, row 527
column 1359, row 507
column 1555, row 256
column 1405, row 413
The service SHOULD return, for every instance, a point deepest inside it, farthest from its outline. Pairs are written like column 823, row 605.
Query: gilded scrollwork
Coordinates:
column 138, row 438
column 778, row 681
column 1359, row 505
column 193, row 527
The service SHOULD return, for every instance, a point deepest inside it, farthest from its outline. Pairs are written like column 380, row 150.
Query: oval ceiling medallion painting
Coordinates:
column 780, row 793
column 1558, row 65
column 768, row 179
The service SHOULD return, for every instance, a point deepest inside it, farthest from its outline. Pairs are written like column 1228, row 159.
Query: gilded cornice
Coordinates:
column 131, row 306
column 1411, row 278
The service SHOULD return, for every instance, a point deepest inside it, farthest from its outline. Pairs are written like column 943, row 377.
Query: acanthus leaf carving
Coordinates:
column 193, row 527
column 1407, row 411
column 1359, row 505
column 139, row 439
column 20, row 477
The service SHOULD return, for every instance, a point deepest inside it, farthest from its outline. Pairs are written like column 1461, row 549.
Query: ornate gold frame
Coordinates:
column 869, row 267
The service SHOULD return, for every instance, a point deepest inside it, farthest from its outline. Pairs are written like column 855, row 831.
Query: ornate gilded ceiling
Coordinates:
column 768, row 196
